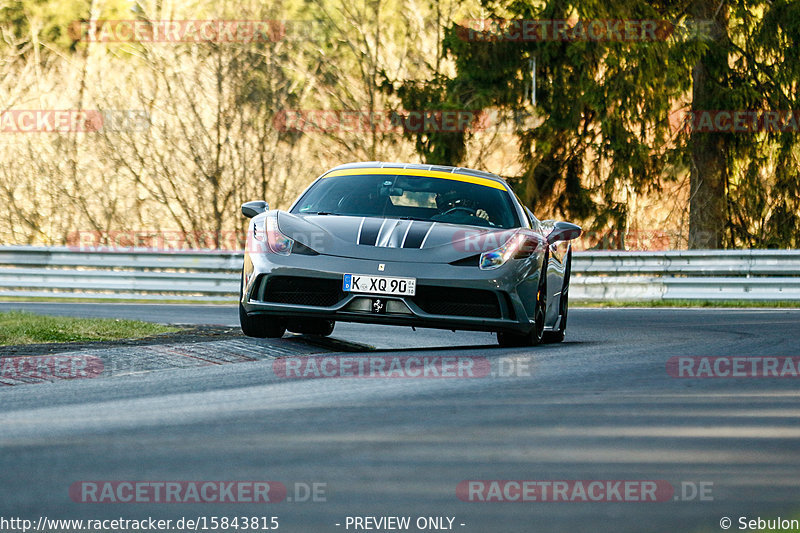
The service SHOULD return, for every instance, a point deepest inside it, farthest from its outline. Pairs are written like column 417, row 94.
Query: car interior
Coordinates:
column 413, row 197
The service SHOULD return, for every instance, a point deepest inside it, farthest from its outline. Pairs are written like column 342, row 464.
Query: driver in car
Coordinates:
column 460, row 206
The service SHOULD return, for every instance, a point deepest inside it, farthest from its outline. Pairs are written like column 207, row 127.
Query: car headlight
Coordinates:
column 496, row 258
column 267, row 228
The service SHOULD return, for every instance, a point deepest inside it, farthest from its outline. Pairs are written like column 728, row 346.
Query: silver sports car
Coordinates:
column 407, row 245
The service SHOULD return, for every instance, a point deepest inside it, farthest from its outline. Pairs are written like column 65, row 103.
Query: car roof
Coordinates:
column 417, row 166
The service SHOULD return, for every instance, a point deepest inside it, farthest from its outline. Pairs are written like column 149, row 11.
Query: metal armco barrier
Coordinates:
column 687, row 275
column 59, row 272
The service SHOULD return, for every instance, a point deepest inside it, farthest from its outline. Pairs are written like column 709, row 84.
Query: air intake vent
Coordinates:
column 458, row 302
column 318, row 292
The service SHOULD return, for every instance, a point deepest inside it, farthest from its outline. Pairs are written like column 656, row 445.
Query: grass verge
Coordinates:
column 113, row 300
column 22, row 327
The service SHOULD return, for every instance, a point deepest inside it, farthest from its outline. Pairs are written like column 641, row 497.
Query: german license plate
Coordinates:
column 379, row 285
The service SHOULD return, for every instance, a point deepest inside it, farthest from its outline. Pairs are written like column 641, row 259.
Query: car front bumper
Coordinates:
column 448, row 296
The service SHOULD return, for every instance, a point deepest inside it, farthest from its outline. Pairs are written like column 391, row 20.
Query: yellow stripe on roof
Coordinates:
column 422, row 173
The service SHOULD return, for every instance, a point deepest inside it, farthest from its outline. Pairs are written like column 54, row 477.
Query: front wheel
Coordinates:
column 559, row 334
column 312, row 326
column 563, row 308
column 259, row 326
column 535, row 336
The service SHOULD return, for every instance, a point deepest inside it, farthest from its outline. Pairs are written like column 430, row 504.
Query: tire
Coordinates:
column 535, row 336
column 312, row 326
column 511, row 340
column 259, row 326
column 551, row 337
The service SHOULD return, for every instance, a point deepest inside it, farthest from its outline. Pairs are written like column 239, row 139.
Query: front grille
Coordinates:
column 298, row 290
column 457, row 302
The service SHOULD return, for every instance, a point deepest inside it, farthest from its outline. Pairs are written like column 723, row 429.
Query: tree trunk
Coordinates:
column 709, row 170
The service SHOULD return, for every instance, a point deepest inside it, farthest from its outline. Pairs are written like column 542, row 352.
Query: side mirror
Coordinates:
column 563, row 231
column 251, row 209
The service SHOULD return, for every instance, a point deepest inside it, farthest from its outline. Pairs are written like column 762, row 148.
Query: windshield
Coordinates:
column 413, row 197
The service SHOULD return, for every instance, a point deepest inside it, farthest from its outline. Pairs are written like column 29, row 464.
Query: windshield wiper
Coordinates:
column 413, row 218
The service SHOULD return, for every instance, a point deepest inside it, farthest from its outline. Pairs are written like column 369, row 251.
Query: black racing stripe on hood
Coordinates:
column 416, row 234
column 369, row 231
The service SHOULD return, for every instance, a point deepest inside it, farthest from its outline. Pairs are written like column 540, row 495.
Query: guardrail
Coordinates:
column 687, row 275
column 59, row 272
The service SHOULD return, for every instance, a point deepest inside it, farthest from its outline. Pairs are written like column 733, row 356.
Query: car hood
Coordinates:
column 390, row 239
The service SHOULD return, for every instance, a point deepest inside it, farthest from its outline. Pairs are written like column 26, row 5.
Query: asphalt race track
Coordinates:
column 599, row 407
